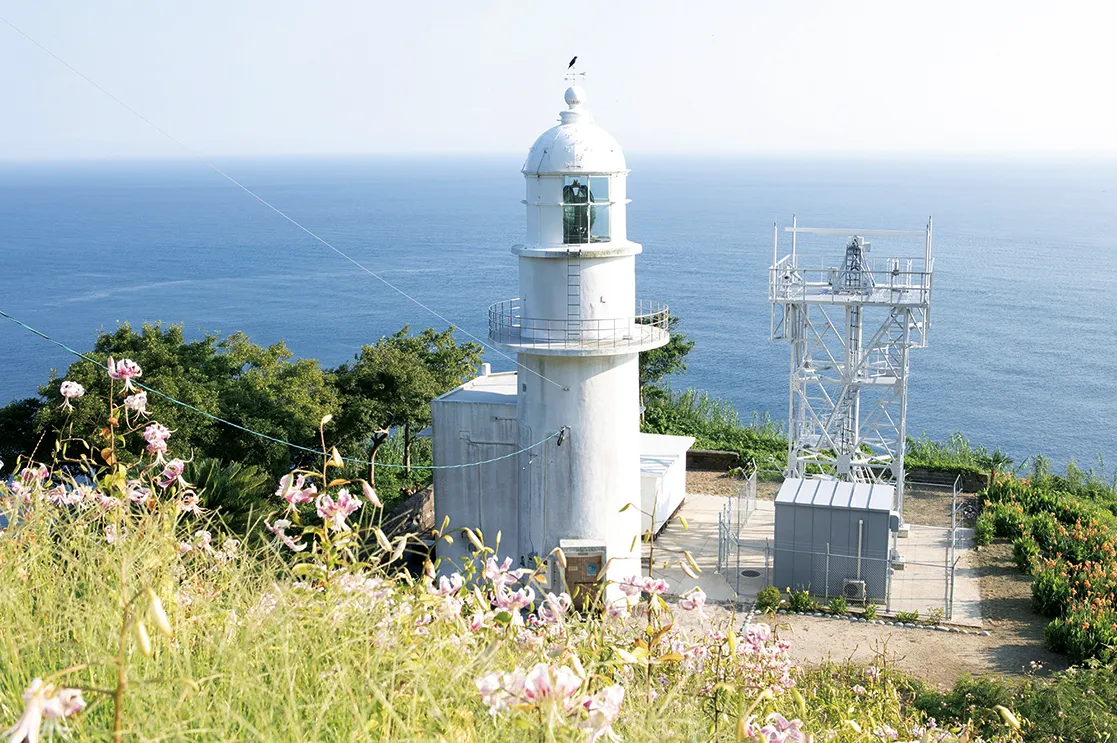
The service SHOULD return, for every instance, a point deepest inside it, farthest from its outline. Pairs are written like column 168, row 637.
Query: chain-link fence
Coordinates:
column 734, row 516
column 918, row 575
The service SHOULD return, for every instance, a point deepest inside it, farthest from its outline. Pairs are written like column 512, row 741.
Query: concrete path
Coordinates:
column 918, row 587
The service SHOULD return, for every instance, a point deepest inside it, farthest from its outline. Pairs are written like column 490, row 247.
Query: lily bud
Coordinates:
column 335, row 458
column 155, row 609
column 143, row 638
column 370, row 494
column 326, row 419
column 1008, row 717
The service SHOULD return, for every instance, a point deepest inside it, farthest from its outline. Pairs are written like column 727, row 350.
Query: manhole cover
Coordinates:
column 750, row 573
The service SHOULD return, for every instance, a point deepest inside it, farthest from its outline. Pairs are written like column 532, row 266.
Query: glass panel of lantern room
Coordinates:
column 575, row 210
column 599, row 209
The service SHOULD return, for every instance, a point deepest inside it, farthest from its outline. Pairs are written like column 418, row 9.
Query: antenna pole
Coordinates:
column 794, row 234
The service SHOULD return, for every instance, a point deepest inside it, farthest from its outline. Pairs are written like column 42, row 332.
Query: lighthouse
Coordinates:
column 576, row 331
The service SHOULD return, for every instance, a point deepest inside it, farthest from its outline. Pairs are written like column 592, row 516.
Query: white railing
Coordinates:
column 648, row 326
column 801, row 278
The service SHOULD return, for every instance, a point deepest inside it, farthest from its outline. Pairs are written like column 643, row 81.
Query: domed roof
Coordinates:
column 577, row 145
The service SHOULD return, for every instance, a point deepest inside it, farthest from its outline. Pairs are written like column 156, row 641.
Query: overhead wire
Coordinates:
column 213, row 166
column 273, row 439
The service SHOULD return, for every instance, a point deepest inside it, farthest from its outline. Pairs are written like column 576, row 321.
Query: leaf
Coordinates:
column 732, row 642
column 669, row 658
column 503, row 617
column 625, row 656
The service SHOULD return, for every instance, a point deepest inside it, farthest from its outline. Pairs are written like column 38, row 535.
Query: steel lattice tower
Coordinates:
column 850, row 321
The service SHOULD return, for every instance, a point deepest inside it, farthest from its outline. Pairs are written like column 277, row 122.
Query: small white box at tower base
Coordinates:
column 585, row 569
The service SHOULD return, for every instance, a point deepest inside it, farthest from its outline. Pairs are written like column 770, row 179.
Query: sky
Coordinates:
column 276, row 77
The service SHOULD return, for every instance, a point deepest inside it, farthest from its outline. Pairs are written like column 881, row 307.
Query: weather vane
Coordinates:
column 572, row 73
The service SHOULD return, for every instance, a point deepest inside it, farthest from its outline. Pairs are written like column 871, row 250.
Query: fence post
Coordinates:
column 827, row 570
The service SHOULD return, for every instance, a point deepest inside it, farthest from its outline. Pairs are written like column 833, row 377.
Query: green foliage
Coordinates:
column 954, row 455
column 239, row 495
column 1009, row 520
column 983, row 529
column 666, row 360
column 801, row 601
column 1051, row 590
column 870, row 612
column 907, row 617
column 1025, row 551
column 1085, row 632
column 715, row 425
column 17, row 428
column 768, row 600
column 1075, row 706
column 391, row 384
column 838, row 605
column 260, row 388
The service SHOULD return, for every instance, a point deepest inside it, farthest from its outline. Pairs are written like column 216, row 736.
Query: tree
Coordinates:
column 995, row 462
column 665, row 360
column 232, row 378
column 390, row 385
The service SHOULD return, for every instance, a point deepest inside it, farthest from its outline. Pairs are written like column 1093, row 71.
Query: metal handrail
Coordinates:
column 648, row 324
column 805, row 277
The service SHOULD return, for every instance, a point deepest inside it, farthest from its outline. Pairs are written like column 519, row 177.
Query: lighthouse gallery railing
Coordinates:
column 647, row 325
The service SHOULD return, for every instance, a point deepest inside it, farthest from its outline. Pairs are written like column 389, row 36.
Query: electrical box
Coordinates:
column 585, row 570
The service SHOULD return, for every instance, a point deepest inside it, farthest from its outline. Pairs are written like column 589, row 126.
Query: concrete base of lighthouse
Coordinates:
column 580, row 489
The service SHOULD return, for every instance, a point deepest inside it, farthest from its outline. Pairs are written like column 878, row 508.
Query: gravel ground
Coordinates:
column 1015, row 634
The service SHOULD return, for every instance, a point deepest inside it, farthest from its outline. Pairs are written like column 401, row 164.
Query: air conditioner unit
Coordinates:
column 853, row 590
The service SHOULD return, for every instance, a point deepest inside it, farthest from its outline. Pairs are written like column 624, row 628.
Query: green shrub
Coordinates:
column 1009, row 520
column 1086, row 631
column 1025, row 551
column 801, row 601
column 907, row 617
column 1051, row 590
column 870, row 611
column 838, row 605
column 983, row 529
column 768, row 600
column 237, row 494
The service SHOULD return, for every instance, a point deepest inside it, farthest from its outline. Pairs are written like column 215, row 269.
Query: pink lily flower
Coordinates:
column 137, row 493
column 295, row 491
column 189, row 503
column 694, row 599
column 279, row 529
column 44, row 702
column 604, row 707
column 137, row 402
column 335, row 512
column 655, row 586
column 70, row 391
column 172, row 473
column 125, row 369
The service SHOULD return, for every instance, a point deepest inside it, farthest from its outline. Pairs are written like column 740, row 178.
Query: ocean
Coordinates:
column 1023, row 345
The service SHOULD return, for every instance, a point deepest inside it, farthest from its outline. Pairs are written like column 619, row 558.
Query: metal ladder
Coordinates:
column 573, row 296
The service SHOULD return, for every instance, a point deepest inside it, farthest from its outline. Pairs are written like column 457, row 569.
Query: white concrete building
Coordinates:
column 576, row 329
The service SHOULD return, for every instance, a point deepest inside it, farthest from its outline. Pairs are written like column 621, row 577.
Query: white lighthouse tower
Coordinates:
column 577, row 329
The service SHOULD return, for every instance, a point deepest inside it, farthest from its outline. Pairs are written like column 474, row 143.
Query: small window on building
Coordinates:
column 585, row 209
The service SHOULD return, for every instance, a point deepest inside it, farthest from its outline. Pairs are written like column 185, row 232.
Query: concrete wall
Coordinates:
column 482, row 497
column 577, row 490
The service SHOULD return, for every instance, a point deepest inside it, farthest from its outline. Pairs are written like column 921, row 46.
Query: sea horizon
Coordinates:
column 1021, row 349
